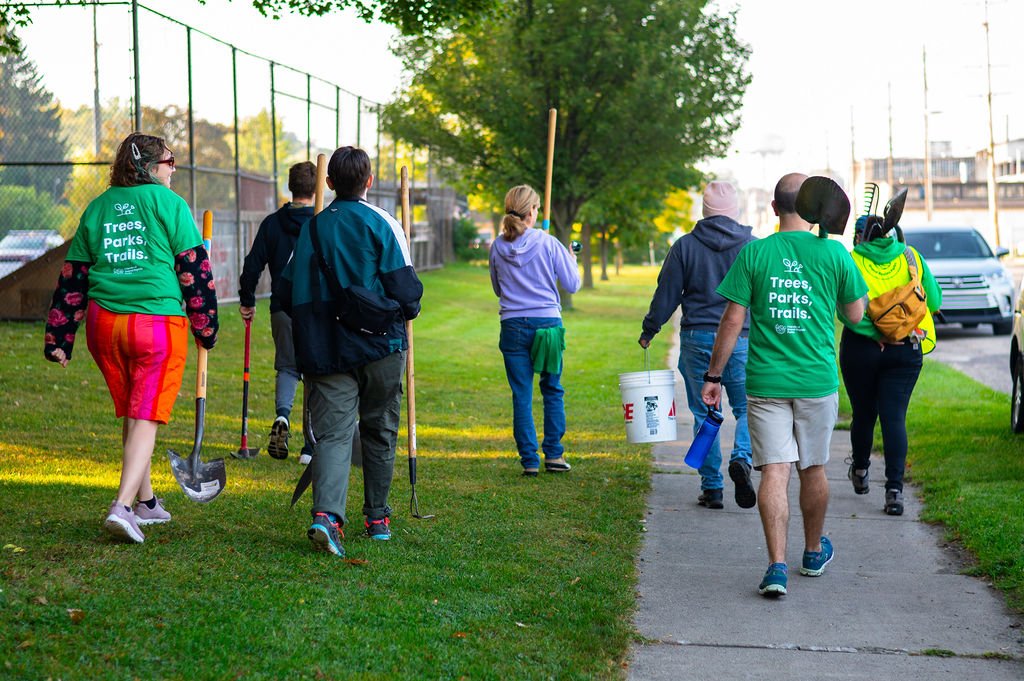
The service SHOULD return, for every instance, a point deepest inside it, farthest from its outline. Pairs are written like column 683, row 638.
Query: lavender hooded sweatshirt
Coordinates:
column 524, row 274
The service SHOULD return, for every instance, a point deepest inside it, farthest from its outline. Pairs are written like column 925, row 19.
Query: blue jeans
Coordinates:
column 516, row 338
column 694, row 357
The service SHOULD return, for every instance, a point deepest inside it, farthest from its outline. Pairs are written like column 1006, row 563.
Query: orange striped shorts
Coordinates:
column 142, row 358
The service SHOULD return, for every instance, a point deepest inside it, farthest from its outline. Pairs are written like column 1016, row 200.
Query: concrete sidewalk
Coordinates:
column 891, row 593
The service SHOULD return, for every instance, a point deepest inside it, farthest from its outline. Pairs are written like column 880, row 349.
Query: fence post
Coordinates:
column 238, row 174
column 191, row 125
column 135, row 59
column 273, row 135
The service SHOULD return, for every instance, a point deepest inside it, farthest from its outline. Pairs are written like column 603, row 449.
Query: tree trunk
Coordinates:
column 588, row 266
column 604, row 253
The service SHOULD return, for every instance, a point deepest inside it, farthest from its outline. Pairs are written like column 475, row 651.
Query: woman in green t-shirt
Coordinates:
column 135, row 260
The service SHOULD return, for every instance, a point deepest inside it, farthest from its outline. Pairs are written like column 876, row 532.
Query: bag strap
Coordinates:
column 908, row 253
column 332, row 279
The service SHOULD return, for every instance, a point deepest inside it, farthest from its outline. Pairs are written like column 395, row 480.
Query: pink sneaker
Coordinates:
column 121, row 524
column 144, row 515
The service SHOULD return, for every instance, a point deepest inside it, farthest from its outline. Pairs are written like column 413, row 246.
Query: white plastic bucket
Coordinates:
column 649, row 405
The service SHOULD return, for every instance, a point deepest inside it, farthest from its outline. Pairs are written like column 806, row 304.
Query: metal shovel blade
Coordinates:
column 201, row 482
column 246, row 452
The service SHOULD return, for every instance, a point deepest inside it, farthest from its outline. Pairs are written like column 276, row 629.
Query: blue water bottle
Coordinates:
column 702, row 441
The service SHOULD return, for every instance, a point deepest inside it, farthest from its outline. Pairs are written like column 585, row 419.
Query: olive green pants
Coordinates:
column 373, row 393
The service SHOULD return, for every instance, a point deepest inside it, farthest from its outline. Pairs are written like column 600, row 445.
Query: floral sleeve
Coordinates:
column 67, row 309
column 195, row 277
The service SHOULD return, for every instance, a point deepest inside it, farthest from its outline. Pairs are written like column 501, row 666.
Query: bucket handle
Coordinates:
column 647, row 364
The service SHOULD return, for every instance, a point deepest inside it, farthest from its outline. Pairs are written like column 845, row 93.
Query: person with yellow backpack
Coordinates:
column 881, row 356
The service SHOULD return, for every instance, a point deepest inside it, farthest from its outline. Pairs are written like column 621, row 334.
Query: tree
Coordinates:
column 30, row 129
column 635, row 214
column 25, row 208
column 255, row 150
column 409, row 16
column 642, row 89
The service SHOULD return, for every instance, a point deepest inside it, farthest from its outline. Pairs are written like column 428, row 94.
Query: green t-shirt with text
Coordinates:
column 131, row 235
column 792, row 283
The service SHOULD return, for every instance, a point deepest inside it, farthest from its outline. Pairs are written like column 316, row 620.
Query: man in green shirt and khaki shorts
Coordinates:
column 792, row 282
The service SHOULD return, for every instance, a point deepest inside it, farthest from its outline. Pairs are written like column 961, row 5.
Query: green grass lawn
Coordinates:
column 514, row 579
column 970, row 468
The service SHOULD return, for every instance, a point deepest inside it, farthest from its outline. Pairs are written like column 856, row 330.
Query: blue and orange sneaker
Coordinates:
column 378, row 529
column 326, row 534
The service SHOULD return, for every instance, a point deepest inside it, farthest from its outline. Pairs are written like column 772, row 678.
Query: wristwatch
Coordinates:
column 712, row 379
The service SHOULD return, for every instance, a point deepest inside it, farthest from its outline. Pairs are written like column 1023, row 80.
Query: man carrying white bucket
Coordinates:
column 693, row 269
column 792, row 282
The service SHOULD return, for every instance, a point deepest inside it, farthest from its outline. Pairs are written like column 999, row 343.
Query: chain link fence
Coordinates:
column 235, row 121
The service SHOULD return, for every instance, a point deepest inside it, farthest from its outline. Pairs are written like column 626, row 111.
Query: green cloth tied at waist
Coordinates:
column 546, row 351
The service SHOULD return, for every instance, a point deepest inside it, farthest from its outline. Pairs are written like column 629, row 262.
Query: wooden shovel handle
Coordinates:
column 410, row 365
column 552, row 115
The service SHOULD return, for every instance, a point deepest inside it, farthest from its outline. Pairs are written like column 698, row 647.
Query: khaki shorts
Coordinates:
column 784, row 430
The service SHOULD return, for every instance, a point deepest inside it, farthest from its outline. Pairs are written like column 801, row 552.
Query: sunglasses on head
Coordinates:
column 168, row 161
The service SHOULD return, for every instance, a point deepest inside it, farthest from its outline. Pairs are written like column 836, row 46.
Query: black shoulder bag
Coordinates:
column 355, row 307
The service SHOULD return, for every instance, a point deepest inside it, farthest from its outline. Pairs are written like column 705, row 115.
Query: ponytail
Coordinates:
column 518, row 203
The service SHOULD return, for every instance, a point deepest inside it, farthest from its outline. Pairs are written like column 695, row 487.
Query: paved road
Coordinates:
column 975, row 352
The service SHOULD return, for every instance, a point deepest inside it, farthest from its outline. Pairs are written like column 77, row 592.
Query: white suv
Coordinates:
column 976, row 287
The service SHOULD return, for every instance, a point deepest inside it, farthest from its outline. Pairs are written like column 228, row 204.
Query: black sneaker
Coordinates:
column 711, row 498
column 739, row 471
column 559, row 465
column 859, row 478
column 326, row 534
column 278, row 445
column 378, row 529
column 893, row 502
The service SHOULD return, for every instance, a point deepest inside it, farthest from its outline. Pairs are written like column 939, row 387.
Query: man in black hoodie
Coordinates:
column 272, row 248
column 693, row 269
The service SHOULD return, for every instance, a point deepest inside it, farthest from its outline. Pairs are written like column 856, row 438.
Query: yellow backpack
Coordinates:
column 899, row 311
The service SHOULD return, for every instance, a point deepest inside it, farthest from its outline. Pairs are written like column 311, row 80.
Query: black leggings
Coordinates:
column 879, row 384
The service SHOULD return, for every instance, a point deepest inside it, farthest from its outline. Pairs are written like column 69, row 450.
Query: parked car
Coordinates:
column 1017, row 366
column 976, row 287
column 20, row 246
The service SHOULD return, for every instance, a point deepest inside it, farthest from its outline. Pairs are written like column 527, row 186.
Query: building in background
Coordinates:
column 959, row 190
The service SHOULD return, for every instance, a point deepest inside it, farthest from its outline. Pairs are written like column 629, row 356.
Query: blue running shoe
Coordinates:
column 378, row 529
column 814, row 562
column 326, row 534
column 774, row 581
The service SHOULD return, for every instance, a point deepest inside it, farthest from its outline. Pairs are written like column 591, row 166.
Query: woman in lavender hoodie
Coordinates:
column 526, row 265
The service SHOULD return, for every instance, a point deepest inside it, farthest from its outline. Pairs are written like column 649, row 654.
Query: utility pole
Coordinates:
column 927, row 142
column 853, row 156
column 890, row 178
column 993, row 210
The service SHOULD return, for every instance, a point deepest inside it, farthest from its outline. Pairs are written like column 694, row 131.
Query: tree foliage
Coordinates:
column 409, row 16
column 26, row 208
column 643, row 90
column 30, row 129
